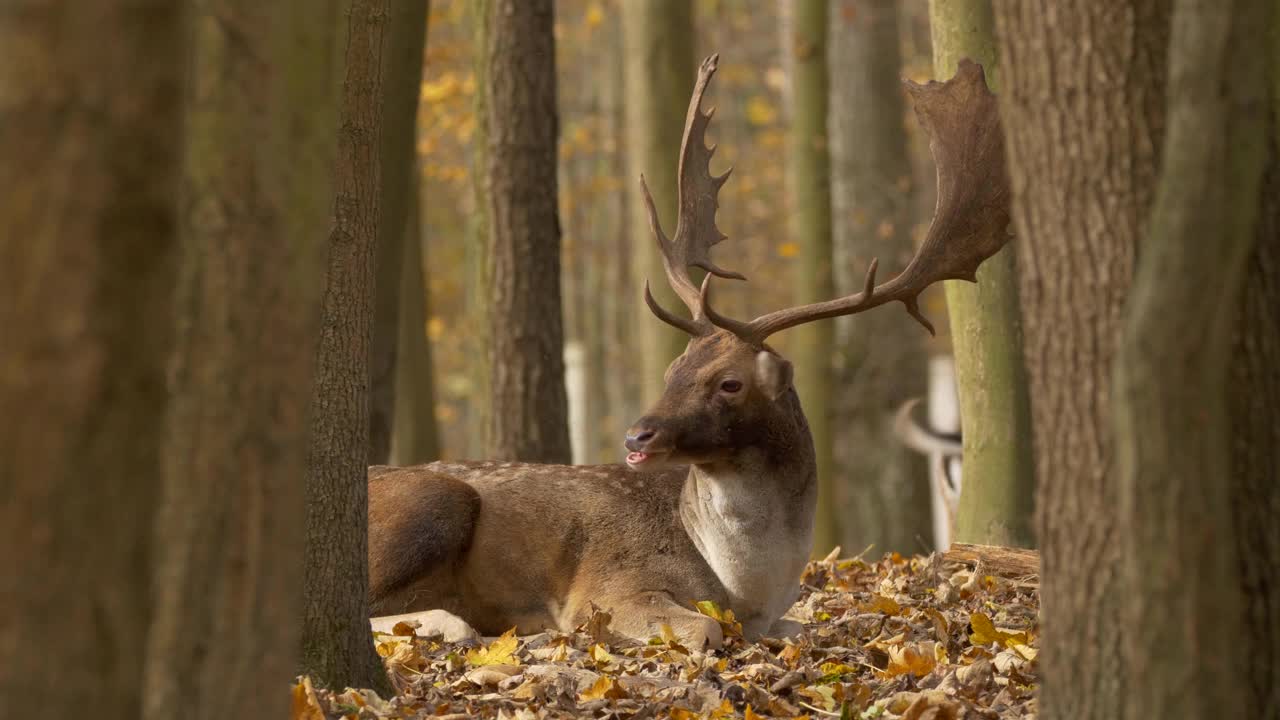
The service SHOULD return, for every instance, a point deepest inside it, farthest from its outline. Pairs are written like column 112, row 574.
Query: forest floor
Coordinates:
column 920, row 638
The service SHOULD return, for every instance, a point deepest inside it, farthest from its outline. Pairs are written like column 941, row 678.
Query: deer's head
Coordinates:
column 729, row 390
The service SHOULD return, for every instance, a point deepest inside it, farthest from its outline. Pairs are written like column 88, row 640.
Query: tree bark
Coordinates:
column 416, row 437
column 886, row 498
column 90, row 133
column 529, row 413
column 658, row 74
column 1254, row 388
column 998, row 496
column 337, row 648
column 809, row 182
column 1083, row 108
column 260, row 119
column 401, row 78
column 1181, row 574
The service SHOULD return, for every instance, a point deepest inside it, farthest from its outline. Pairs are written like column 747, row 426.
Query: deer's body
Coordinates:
column 717, row 499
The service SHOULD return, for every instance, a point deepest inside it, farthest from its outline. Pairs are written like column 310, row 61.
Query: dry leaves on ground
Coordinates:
column 902, row 638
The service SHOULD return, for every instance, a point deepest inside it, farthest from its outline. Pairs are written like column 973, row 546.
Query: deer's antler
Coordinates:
column 696, row 229
column 969, row 224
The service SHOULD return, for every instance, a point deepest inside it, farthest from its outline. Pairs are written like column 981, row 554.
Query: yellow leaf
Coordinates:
column 750, row 714
column 442, row 89
column 760, row 111
column 305, row 705
column 729, row 625
column 403, row 628
column 595, row 14
column 435, row 328
column 985, row 633
column 604, row 688
column 788, row 250
column 881, row 604
column 600, row 655
column 499, row 652
column 918, row 660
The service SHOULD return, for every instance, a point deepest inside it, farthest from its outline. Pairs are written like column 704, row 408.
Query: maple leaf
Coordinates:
column 499, row 652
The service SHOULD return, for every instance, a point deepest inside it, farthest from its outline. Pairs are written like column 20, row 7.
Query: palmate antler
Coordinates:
column 970, row 222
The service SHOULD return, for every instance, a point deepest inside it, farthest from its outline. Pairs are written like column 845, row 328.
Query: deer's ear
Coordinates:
column 773, row 374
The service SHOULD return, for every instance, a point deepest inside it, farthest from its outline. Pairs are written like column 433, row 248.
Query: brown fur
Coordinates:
column 533, row 546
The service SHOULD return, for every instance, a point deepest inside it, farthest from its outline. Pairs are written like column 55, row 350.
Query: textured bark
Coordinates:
column 260, row 120
column 337, row 649
column 416, row 437
column 479, row 264
column 1254, row 386
column 1184, row 600
column 1082, row 103
column 809, row 184
column 401, row 78
column 886, row 497
column 997, row 499
column 529, row 414
column 658, row 74
column 90, row 133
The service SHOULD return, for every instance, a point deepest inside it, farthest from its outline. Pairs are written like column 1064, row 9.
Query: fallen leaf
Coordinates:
column 606, row 688
column 499, row 652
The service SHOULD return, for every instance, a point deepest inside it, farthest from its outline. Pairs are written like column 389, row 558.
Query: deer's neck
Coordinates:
column 751, row 518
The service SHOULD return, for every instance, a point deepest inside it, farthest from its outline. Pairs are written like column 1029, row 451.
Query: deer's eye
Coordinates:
column 731, row 386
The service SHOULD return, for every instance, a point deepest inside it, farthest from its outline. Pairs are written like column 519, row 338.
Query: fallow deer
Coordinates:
column 717, row 497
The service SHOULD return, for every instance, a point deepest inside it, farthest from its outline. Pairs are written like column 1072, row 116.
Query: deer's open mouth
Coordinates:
column 645, row 459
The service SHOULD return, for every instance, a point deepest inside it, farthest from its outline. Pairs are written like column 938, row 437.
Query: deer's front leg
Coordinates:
column 642, row 616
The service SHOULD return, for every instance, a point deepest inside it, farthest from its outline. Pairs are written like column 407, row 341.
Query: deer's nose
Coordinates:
column 638, row 438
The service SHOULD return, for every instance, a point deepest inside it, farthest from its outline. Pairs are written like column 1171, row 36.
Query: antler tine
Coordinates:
column 696, row 229
column 969, row 224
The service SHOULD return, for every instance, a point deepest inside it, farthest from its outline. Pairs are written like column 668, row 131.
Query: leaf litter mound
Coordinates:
column 920, row 638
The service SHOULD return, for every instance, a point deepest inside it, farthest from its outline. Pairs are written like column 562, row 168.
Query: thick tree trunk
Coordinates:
column 401, row 78
column 658, row 74
column 1084, row 130
column 87, row 250
column 415, row 438
column 1181, row 575
column 530, row 413
column 337, row 649
column 883, row 361
column 809, row 180
column 997, row 498
column 258, row 157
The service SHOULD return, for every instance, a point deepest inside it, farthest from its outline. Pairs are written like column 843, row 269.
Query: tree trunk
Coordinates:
column 225, row 635
column 998, row 496
column 479, row 261
column 658, row 74
column 1182, row 578
column 415, row 438
column 1254, row 388
column 87, row 249
column 337, row 649
column 1083, row 133
column 401, row 78
column 883, row 361
column 530, row 413
column 809, row 186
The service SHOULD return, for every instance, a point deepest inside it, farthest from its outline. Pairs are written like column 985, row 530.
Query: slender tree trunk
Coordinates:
column 530, row 414
column 658, row 74
column 1083, row 131
column 479, row 262
column 1182, row 577
column 87, row 250
column 416, row 437
column 882, row 358
column 401, row 78
column 997, row 498
column 260, row 119
column 337, row 649
column 809, row 186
